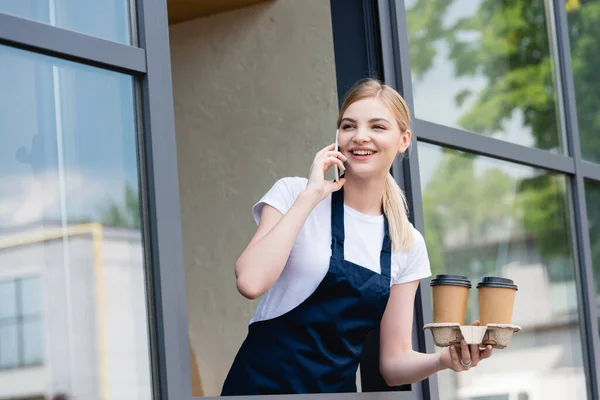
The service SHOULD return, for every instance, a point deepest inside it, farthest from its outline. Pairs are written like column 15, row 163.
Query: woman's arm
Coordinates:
column 399, row 363
column 262, row 261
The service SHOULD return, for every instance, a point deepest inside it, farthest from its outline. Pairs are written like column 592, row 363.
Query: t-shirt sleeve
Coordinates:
column 281, row 196
column 413, row 264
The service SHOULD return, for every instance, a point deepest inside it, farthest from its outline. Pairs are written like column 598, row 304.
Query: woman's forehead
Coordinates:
column 367, row 109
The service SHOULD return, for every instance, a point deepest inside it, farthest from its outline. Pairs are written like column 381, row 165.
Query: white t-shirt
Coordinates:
column 308, row 262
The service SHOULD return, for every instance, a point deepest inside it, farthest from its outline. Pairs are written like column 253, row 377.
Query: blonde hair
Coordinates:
column 395, row 206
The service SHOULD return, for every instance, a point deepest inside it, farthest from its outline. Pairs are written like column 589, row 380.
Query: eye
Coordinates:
column 379, row 127
column 346, row 127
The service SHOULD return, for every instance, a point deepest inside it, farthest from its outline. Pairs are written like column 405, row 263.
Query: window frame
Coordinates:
column 571, row 165
column 381, row 43
column 150, row 65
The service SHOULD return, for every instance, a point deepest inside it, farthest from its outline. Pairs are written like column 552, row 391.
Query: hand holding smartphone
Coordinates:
column 335, row 167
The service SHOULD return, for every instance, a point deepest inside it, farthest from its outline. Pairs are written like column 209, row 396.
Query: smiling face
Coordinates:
column 371, row 137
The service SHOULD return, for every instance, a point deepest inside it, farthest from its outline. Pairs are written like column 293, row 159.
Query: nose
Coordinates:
column 361, row 135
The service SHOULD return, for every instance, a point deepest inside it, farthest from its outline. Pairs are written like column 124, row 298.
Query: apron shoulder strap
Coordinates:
column 337, row 224
column 385, row 258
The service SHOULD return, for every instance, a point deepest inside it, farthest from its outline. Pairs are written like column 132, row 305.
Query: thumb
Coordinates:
column 338, row 185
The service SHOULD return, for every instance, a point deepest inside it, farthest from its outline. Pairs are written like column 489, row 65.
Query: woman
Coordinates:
column 334, row 260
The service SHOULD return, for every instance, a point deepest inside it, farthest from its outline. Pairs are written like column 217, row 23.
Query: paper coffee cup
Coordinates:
column 450, row 295
column 496, row 300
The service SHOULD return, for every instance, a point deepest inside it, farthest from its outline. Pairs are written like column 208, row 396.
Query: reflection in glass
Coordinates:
column 21, row 342
column 592, row 198
column 32, row 341
column 8, row 300
column 30, row 301
column 583, row 24
column 9, row 345
column 106, row 19
column 485, row 66
column 70, row 230
column 485, row 217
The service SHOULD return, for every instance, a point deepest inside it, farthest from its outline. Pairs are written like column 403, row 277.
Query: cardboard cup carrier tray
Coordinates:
column 447, row 333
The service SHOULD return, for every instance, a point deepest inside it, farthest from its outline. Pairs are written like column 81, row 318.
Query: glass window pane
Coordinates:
column 8, row 300
column 30, row 297
column 9, row 346
column 592, row 198
column 485, row 217
column 107, row 19
column 257, row 125
column 485, row 66
column 583, row 21
column 70, row 217
column 32, row 341
column 493, row 397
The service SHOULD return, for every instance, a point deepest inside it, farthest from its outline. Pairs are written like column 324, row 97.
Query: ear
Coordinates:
column 405, row 141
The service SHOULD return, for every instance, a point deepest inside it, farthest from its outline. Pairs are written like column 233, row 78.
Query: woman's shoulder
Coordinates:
column 295, row 184
column 411, row 264
column 418, row 243
column 418, row 239
column 281, row 195
column 291, row 186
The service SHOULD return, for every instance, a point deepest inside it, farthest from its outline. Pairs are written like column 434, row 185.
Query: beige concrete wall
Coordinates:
column 255, row 98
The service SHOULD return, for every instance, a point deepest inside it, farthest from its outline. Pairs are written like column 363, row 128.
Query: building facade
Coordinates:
column 135, row 137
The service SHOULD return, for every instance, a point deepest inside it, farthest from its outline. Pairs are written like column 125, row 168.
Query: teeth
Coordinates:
column 362, row 153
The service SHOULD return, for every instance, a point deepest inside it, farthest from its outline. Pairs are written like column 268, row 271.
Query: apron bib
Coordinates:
column 315, row 347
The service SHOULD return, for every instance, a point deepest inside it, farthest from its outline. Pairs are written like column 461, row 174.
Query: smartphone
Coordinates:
column 335, row 167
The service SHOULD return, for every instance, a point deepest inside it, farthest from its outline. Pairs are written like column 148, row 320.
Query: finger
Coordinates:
column 337, row 154
column 487, row 353
column 454, row 358
column 329, row 161
column 325, row 150
column 476, row 323
column 458, row 365
column 334, row 154
column 465, row 354
column 335, row 186
column 475, row 354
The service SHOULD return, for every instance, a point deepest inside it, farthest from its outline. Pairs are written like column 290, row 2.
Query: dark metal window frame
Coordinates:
column 384, row 20
column 61, row 43
column 572, row 166
column 150, row 65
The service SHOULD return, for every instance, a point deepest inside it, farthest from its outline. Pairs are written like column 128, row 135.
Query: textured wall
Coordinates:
column 255, row 98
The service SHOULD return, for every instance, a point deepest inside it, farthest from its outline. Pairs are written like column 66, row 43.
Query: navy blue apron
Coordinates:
column 315, row 347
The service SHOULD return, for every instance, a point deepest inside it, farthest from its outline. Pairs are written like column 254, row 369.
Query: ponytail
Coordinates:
column 395, row 208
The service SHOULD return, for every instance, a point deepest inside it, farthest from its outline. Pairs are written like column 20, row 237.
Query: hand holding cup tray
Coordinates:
column 496, row 303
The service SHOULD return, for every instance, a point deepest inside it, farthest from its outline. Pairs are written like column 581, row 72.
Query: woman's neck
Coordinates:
column 364, row 195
